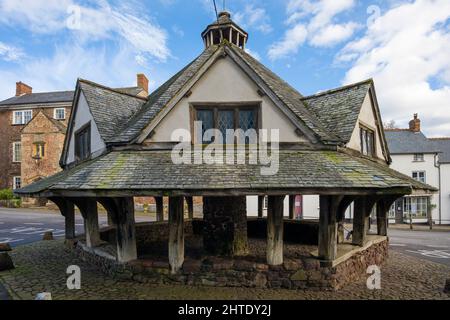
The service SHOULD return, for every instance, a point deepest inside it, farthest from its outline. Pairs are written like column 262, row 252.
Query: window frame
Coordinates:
column 419, row 157
column 215, row 107
column 14, row 147
column 418, row 175
column 55, row 110
column 22, row 117
column 421, row 207
column 363, row 135
column 39, row 150
column 15, row 178
column 84, row 128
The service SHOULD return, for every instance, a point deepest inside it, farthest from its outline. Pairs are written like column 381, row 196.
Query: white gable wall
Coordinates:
column 83, row 116
column 368, row 119
column 225, row 82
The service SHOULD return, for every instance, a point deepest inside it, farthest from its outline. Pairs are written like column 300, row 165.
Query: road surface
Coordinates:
column 429, row 245
column 22, row 226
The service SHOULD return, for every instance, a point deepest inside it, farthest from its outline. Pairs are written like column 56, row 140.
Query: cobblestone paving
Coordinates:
column 41, row 267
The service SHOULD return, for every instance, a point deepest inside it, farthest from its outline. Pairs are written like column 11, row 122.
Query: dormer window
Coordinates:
column 83, row 143
column 367, row 141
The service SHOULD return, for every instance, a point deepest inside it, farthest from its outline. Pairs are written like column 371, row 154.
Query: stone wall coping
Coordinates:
column 348, row 250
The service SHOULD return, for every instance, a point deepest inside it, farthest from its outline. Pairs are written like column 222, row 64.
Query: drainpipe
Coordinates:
column 438, row 166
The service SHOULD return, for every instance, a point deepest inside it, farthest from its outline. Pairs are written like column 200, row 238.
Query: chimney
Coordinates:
column 22, row 89
column 414, row 125
column 142, row 82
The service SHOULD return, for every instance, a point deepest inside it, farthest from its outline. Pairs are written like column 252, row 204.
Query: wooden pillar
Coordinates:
column 190, row 205
column 291, row 207
column 159, row 208
column 67, row 209
column 383, row 207
column 363, row 208
column 89, row 211
column 176, row 234
column 260, row 206
column 121, row 211
column 329, row 206
column 275, row 230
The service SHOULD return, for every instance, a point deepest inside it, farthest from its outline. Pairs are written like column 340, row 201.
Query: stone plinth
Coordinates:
column 225, row 228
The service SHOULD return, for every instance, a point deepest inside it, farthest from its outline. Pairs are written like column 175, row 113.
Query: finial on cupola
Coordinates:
column 224, row 29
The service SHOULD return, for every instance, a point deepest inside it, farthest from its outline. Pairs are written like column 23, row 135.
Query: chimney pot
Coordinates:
column 22, row 89
column 142, row 82
column 414, row 125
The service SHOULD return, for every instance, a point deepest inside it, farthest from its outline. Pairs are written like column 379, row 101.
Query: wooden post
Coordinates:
column 159, row 208
column 260, row 206
column 125, row 230
column 190, row 205
column 275, row 230
column 176, row 234
column 291, row 207
column 383, row 207
column 328, row 227
column 67, row 209
column 363, row 208
column 89, row 211
column 121, row 211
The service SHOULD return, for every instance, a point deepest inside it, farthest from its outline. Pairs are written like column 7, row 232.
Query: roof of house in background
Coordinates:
column 39, row 98
column 339, row 109
column 405, row 141
column 443, row 145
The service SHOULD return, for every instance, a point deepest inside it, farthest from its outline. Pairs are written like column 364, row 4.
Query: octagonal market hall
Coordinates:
column 330, row 145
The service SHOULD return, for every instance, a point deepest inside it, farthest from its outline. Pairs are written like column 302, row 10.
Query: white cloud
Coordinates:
column 317, row 22
column 290, row 44
column 253, row 17
column 406, row 51
column 10, row 53
column 88, row 23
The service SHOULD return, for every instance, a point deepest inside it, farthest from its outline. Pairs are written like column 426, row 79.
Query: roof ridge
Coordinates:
column 117, row 90
column 397, row 129
column 367, row 81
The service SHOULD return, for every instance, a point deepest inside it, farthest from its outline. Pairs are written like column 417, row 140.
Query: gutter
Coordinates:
column 438, row 166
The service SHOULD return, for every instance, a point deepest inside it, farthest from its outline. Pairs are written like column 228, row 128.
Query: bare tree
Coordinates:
column 390, row 125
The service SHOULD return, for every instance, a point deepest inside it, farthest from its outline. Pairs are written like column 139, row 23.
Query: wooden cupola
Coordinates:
column 224, row 29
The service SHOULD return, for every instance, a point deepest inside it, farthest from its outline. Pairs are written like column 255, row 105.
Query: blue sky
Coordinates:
column 312, row 44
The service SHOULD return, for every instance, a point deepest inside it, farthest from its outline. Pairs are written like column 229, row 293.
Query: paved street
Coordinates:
column 23, row 226
column 432, row 246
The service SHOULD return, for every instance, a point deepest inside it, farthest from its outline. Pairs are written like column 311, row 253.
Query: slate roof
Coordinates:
column 158, row 100
column 39, row 98
column 155, row 170
column 404, row 141
column 110, row 108
column 338, row 109
column 443, row 145
column 160, row 97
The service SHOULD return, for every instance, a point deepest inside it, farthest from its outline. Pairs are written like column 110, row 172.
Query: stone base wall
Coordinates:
column 304, row 273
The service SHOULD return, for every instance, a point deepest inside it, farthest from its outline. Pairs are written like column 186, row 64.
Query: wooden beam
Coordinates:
column 67, row 209
column 176, row 234
column 275, row 230
column 159, row 208
column 329, row 206
column 261, row 206
column 125, row 231
column 190, row 205
column 292, row 207
column 89, row 211
column 362, row 210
